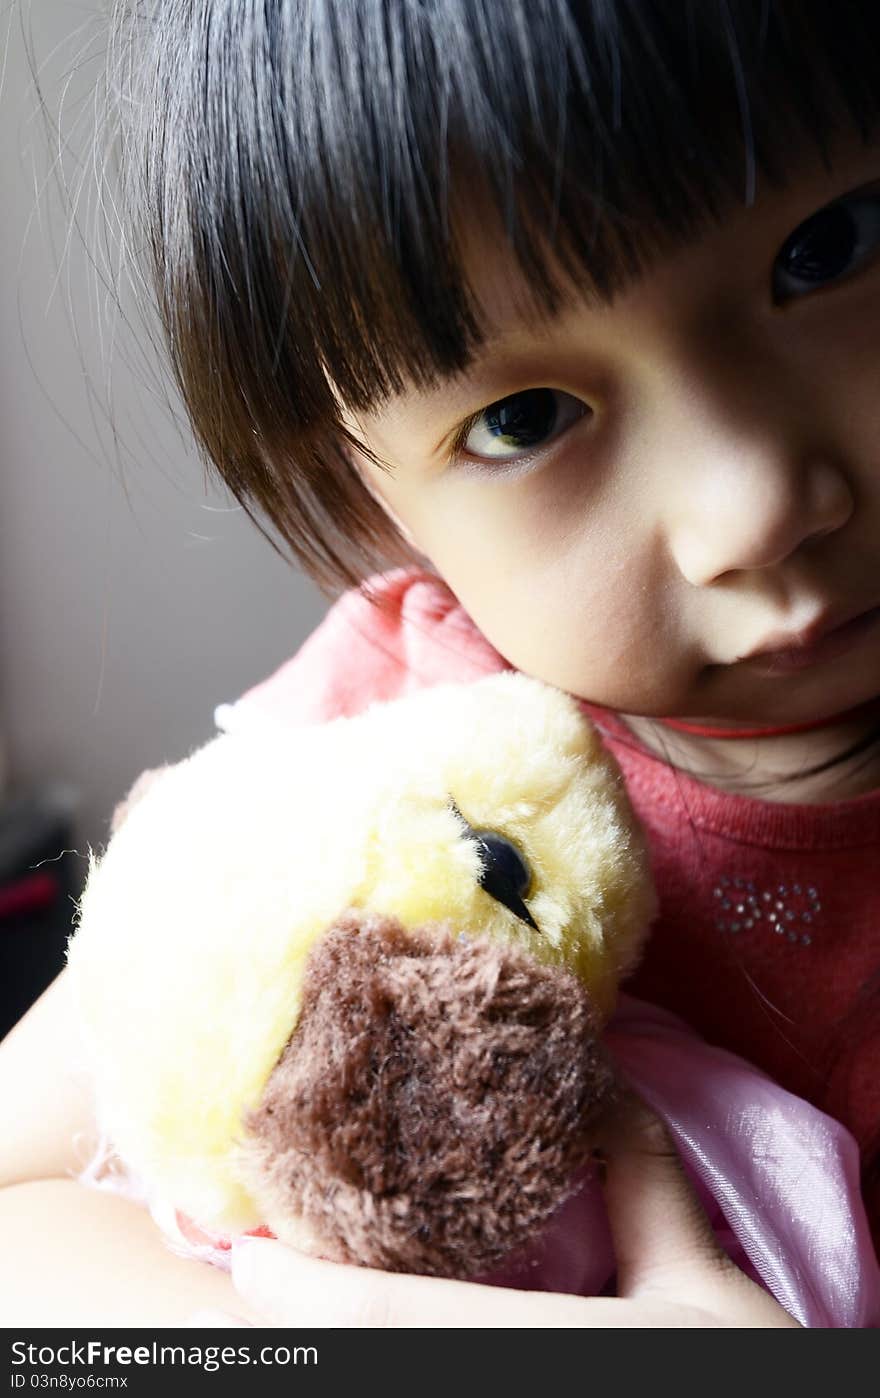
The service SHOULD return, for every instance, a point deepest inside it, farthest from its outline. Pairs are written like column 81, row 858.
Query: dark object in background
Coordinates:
column 40, row 876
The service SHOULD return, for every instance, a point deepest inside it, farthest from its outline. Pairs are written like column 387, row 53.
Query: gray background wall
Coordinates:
column 133, row 598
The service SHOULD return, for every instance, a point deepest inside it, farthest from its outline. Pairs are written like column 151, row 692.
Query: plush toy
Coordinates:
column 352, row 984
column 348, row 982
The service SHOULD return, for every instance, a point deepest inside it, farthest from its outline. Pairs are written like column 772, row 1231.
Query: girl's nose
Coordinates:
column 744, row 506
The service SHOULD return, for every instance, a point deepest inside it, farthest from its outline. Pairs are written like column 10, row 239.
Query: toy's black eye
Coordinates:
column 504, row 874
column 505, row 860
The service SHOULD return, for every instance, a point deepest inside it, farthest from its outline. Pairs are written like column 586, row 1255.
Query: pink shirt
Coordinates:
column 768, row 938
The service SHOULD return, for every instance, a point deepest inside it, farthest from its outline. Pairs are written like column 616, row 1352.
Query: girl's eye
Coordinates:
column 515, row 426
column 828, row 247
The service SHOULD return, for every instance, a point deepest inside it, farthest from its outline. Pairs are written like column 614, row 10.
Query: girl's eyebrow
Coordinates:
column 483, row 378
column 499, row 348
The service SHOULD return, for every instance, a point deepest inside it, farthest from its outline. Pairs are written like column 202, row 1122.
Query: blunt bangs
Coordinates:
column 302, row 169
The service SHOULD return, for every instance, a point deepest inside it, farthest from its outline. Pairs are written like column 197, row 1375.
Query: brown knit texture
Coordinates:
column 436, row 1099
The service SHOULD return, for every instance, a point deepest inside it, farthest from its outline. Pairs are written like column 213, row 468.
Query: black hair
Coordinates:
column 299, row 170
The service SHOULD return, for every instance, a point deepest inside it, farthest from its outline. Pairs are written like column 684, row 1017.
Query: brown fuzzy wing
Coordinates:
column 434, row 1103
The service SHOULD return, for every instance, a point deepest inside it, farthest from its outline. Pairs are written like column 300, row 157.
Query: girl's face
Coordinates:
column 632, row 500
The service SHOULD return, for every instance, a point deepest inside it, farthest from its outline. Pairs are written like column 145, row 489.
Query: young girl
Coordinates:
column 567, row 310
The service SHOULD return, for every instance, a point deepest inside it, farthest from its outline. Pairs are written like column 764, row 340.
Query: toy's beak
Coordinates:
column 503, row 890
column 433, row 1105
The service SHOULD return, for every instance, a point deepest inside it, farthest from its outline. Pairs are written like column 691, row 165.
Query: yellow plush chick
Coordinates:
column 347, row 981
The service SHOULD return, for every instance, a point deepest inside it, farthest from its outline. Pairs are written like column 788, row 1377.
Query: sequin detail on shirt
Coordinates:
column 788, row 910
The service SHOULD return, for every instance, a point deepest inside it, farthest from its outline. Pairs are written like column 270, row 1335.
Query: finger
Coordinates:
column 660, row 1229
column 290, row 1288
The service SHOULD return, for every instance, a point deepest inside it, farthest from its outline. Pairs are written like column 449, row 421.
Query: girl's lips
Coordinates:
column 828, row 645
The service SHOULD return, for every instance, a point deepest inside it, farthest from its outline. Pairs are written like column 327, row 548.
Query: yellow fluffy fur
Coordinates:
column 196, row 922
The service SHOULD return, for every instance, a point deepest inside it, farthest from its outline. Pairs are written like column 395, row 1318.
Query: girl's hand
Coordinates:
column 671, row 1272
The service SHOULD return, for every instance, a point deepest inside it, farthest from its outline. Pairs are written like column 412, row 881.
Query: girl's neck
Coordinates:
column 776, row 766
